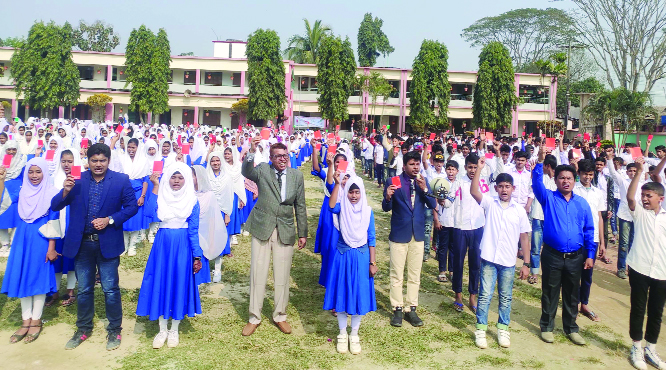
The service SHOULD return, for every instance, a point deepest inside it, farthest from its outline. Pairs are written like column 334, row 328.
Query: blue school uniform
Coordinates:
column 9, row 219
column 27, row 274
column 349, row 287
column 169, row 288
column 327, row 236
column 245, row 212
column 63, row 264
column 292, row 160
column 138, row 221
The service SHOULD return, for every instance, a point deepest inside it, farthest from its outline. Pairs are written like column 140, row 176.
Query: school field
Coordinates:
column 213, row 340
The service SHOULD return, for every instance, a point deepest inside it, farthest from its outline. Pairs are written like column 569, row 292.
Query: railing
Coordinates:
column 463, row 97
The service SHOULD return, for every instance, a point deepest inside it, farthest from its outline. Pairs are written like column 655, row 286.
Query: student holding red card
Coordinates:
column 151, row 153
column 135, row 165
column 12, row 182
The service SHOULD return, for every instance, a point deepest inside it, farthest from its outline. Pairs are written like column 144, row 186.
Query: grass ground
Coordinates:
column 213, row 341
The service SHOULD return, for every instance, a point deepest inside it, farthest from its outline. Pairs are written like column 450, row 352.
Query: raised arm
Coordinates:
column 474, row 190
column 247, row 169
column 631, row 192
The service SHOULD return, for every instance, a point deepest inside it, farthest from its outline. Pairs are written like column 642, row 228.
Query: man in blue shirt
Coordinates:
column 569, row 247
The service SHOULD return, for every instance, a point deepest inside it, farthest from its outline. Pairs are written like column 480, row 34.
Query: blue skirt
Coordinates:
column 234, row 226
column 139, row 220
column 169, row 288
column 150, row 216
column 292, row 160
column 26, row 273
column 62, row 265
column 203, row 276
column 349, row 287
column 248, row 206
column 227, row 247
column 10, row 218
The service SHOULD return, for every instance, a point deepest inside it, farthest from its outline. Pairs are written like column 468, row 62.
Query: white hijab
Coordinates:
column 354, row 219
column 212, row 231
column 176, row 204
column 221, row 185
column 234, row 174
column 18, row 161
column 137, row 168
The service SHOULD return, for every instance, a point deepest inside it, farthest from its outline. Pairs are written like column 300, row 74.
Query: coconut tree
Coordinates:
column 305, row 48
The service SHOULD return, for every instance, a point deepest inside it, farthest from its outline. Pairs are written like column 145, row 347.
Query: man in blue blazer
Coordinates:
column 99, row 204
column 408, row 203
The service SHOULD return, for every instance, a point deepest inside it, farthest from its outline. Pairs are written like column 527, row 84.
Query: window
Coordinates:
column 212, row 117
column 396, row 89
column 304, row 83
column 188, row 116
column 118, row 74
column 236, row 80
column 190, row 78
column 213, row 78
column 86, row 72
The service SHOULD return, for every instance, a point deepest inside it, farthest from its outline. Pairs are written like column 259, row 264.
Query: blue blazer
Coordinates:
column 407, row 221
column 118, row 201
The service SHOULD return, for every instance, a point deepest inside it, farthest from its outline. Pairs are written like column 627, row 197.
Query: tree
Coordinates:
column 305, row 49
column 148, row 58
column 554, row 66
column 372, row 42
column 495, row 97
column 336, row 67
column 43, row 70
column 265, row 75
column 375, row 85
column 240, row 107
column 98, row 104
column 626, row 39
column 529, row 34
column 589, row 85
column 430, row 86
column 12, row 42
column 97, row 36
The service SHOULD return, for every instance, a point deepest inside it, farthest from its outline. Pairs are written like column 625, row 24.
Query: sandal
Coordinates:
column 15, row 338
column 591, row 315
column 606, row 260
column 335, row 314
column 458, row 306
column 69, row 301
column 33, row 337
column 442, row 278
column 50, row 301
column 532, row 279
column 473, row 308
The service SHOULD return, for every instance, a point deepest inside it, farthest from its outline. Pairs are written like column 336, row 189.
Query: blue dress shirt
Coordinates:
column 94, row 204
column 567, row 226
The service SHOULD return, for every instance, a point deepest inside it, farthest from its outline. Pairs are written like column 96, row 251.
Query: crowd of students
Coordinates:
column 555, row 203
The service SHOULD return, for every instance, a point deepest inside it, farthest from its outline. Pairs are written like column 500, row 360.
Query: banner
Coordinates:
column 309, row 122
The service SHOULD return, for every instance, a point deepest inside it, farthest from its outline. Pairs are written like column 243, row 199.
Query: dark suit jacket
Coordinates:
column 118, row 201
column 405, row 219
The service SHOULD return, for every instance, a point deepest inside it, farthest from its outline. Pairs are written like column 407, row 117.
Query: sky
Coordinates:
column 193, row 25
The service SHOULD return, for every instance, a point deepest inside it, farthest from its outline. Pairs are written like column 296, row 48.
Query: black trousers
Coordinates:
column 646, row 291
column 379, row 173
column 559, row 273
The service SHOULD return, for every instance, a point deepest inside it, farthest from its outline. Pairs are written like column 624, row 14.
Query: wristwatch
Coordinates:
column 373, row 263
column 110, row 220
column 526, row 264
column 197, row 258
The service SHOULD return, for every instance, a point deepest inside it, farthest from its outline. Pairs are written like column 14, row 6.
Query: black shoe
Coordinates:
column 79, row 337
column 396, row 320
column 412, row 318
column 112, row 340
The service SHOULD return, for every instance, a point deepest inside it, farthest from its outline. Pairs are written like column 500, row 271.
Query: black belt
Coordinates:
column 91, row 237
column 565, row 255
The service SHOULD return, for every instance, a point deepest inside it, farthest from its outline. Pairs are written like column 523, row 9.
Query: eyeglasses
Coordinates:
column 281, row 156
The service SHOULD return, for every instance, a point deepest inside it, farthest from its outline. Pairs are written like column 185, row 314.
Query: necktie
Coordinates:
column 411, row 191
column 279, row 178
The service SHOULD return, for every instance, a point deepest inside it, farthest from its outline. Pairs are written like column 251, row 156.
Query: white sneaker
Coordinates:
column 217, row 277
column 246, row 233
column 637, row 359
column 234, row 240
column 354, row 344
column 480, row 340
column 652, row 358
column 173, row 339
column 131, row 252
column 159, row 340
column 503, row 338
column 343, row 343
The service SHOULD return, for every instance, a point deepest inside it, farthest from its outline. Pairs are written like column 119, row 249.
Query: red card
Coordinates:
column 586, row 136
column 396, row 150
column 337, row 138
column 332, row 148
column 119, row 129
column 523, row 133
column 40, row 143
column 490, row 136
column 490, row 155
column 561, row 132
column 543, row 135
column 650, row 137
column 579, row 135
column 384, row 128
column 365, row 129
column 212, row 138
column 373, row 130
column 49, row 155
column 317, row 135
column 240, row 127
column 265, row 133
column 158, row 166
column 530, row 134
column 342, row 166
column 185, row 149
column 160, row 136
column 430, row 148
column 7, row 160
column 550, row 143
column 432, row 136
column 84, row 143
column 76, row 172
column 577, row 153
column 395, row 181
column 599, row 144
column 337, row 127
column 330, row 136
column 318, row 146
column 455, row 145
column 636, row 152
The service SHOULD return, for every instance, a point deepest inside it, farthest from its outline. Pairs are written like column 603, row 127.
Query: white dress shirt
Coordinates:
column 283, row 190
column 468, row 213
column 522, row 180
column 501, row 233
column 595, row 198
column 648, row 252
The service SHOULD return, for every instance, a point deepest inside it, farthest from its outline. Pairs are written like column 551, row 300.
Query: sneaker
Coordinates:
column 480, row 339
column 173, row 339
column 413, row 318
column 622, row 274
column 343, row 343
column 217, row 277
column 246, row 233
column 652, row 358
column 426, row 257
column 159, row 340
column 131, row 252
column 79, row 337
column 113, row 340
column 503, row 338
column 637, row 359
column 354, row 344
column 234, row 240
column 396, row 320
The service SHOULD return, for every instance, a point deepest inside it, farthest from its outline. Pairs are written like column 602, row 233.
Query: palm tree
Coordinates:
column 303, row 49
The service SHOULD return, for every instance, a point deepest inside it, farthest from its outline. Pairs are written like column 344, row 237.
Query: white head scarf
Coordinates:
column 137, row 168
column 212, row 231
column 354, row 219
column 18, row 161
column 221, row 185
column 173, row 204
column 234, row 173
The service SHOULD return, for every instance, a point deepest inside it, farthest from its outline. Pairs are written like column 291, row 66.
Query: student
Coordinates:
column 549, row 164
column 12, row 183
column 506, row 225
column 444, row 223
column 232, row 170
column 223, row 188
column 350, row 288
column 647, row 272
column 379, row 162
column 168, row 289
column 595, row 198
column 433, row 168
column 29, row 274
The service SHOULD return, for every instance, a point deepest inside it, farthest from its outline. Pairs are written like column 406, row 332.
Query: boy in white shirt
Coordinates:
column 379, row 163
column 506, row 224
column 647, row 275
column 444, row 223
